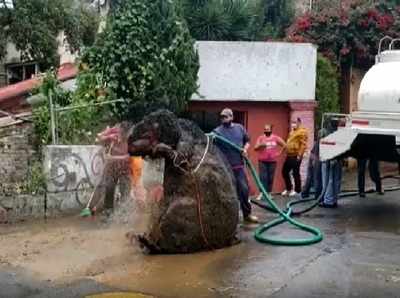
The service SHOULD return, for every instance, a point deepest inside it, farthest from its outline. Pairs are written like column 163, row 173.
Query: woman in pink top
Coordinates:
column 269, row 147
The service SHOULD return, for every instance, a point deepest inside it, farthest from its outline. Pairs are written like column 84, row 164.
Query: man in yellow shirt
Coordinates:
column 295, row 149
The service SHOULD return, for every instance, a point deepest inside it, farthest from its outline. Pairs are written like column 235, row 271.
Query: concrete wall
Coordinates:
column 256, row 71
column 3, row 77
column 13, row 55
column 71, row 173
column 17, row 154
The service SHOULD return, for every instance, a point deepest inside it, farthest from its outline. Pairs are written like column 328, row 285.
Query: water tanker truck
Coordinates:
column 374, row 129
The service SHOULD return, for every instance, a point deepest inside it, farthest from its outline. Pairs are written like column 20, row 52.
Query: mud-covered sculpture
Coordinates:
column 199, row 210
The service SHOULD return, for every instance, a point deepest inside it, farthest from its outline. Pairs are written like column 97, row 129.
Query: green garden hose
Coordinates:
column 284, row 216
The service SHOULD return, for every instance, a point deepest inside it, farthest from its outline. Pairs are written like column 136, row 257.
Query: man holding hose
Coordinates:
column 237, row 134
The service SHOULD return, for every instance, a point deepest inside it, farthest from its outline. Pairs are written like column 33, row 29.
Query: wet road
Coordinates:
column 359, row 257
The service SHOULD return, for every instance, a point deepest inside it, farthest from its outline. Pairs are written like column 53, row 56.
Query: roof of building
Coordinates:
column 14, row 119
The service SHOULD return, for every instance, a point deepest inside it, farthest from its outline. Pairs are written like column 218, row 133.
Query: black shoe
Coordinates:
column 305, row 195
column 362, row 194
column 380, row 192
column 324, row 205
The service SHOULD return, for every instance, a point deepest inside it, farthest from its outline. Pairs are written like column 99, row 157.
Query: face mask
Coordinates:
column 268, row 133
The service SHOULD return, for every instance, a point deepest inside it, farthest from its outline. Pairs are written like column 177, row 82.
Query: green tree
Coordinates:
column 223, row 19
column 33, row 26
column 75, row 126
column 146, row 57
column 327, row 88
column 278, row 16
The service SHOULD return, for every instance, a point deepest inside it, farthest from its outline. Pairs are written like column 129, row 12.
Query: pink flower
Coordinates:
column 384, row 21
column 297, row 38
column 372, row 13
column 303, row 23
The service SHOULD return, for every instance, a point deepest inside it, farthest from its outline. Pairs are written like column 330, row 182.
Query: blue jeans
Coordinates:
column 242, row 188
column 305, row 193
column 317, row 179
column 331, row 180
column 314, row 180
column 267, row 173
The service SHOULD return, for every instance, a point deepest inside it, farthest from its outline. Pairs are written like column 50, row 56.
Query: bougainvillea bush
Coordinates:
column 349, row 36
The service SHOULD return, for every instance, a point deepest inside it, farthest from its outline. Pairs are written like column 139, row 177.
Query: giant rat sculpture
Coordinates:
column 199, row 210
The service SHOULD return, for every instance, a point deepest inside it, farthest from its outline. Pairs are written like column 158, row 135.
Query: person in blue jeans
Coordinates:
column 314, row 170
column 313, row 174
column 331, row 172
column 237, row 134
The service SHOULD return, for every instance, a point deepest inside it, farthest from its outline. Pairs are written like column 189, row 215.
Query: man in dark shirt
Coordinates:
column 237, row 134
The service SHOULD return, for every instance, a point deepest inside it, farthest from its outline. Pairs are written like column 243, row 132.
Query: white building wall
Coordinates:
column 258, row 71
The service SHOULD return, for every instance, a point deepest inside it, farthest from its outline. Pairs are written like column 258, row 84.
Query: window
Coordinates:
column 207, row 121
column 20, row 72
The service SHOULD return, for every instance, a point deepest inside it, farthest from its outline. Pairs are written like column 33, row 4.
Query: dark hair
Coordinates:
column 299, row 119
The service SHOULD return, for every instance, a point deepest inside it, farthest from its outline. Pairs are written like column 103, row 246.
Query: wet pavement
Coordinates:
column 359, row 257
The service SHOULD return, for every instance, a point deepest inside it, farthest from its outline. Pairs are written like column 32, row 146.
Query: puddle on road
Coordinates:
column 120, row 295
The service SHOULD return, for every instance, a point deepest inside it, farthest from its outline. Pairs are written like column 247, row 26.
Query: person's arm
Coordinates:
column 246, row 141
column 246, row 149
column 108, row 135
column 217, row 142
column 303, row 146
column 107, row 138
column 282, row 144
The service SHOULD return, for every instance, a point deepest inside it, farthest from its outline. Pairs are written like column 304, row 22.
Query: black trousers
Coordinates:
column 373, row 167
column 267, row 173
column 242, row 188
column 292, row 165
